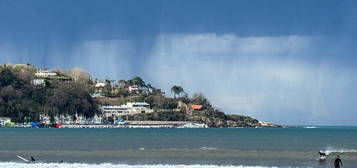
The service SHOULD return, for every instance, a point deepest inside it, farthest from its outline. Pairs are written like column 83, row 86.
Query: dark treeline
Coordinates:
column 19, row 99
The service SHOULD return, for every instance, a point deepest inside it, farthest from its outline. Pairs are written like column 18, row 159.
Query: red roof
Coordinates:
column 196, row 107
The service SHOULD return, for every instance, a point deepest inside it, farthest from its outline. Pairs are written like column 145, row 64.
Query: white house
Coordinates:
column 100, row 84
column 114, row 111
column 38, row 82
column 134, row 89
column 126, row 109
column 45, row 74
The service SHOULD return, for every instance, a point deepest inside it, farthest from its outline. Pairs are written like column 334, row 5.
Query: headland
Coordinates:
column 33, row 97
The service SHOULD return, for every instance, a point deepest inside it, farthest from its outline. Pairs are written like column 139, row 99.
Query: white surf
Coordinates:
column 109, row 165
column 23, row 159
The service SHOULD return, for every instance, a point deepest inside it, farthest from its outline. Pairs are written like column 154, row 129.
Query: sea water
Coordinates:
column 178, row 148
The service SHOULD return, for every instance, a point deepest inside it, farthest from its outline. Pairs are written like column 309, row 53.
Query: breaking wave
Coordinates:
column 109, row 165
column 310, row 127
column 330, row 150
column 208, row 148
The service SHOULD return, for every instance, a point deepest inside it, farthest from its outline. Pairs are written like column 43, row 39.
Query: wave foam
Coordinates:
column 109, row 165
column 330, row 150
column 208, row 148
column 310, row 127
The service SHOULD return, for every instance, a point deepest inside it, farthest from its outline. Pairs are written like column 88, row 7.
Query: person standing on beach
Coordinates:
column 338, row 162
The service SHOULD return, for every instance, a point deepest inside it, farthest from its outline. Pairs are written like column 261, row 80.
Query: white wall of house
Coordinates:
column 100, row 84
column 45, row 73
column 134, row 89
column 127, row 109
column 39, row 82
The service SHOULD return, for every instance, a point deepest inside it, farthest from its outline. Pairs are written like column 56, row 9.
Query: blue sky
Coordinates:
column 284, row 61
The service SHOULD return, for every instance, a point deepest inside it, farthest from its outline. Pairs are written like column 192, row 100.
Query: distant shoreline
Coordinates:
column 118, row 126
column 103, row 126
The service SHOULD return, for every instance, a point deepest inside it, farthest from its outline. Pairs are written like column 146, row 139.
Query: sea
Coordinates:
column 178, row 148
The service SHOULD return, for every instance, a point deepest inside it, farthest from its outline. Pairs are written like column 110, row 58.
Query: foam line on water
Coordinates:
column 109, row 165
column 330, row 150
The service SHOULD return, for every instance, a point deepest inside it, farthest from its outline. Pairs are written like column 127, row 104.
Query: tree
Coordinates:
column 199, row 98
column 108, row 88
column 177, row 90
column 21, row 100
column 7, row 77
column 78, row 74
column 138, row 81
column 121, row 83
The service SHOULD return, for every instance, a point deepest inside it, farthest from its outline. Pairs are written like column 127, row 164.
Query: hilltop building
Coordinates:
column 99, row 88
column 45, row 74
column 100, row 84
column 42, row 75
column 126, row 109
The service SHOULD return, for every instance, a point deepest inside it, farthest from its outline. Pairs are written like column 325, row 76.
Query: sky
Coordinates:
column 282, row 61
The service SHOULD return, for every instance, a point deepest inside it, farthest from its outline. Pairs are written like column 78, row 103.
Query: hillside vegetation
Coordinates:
column 70, row 93
column 21, row 100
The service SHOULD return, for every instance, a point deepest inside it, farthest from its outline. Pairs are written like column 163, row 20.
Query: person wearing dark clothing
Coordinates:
column 322, row 154
column 338, row 162
column 32, row 159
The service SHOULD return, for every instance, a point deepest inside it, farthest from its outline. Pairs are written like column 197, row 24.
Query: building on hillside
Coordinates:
column 114, row 111
column 147, row 90
column 196, row 107
column 129, row 108
column 45, row 74
column 99, row 86
column 39, row 82
column 189, row 108
column 41, row 76
column 4, row 120
column 134, row 89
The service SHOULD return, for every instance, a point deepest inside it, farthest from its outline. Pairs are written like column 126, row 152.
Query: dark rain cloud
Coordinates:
column 121, row 39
